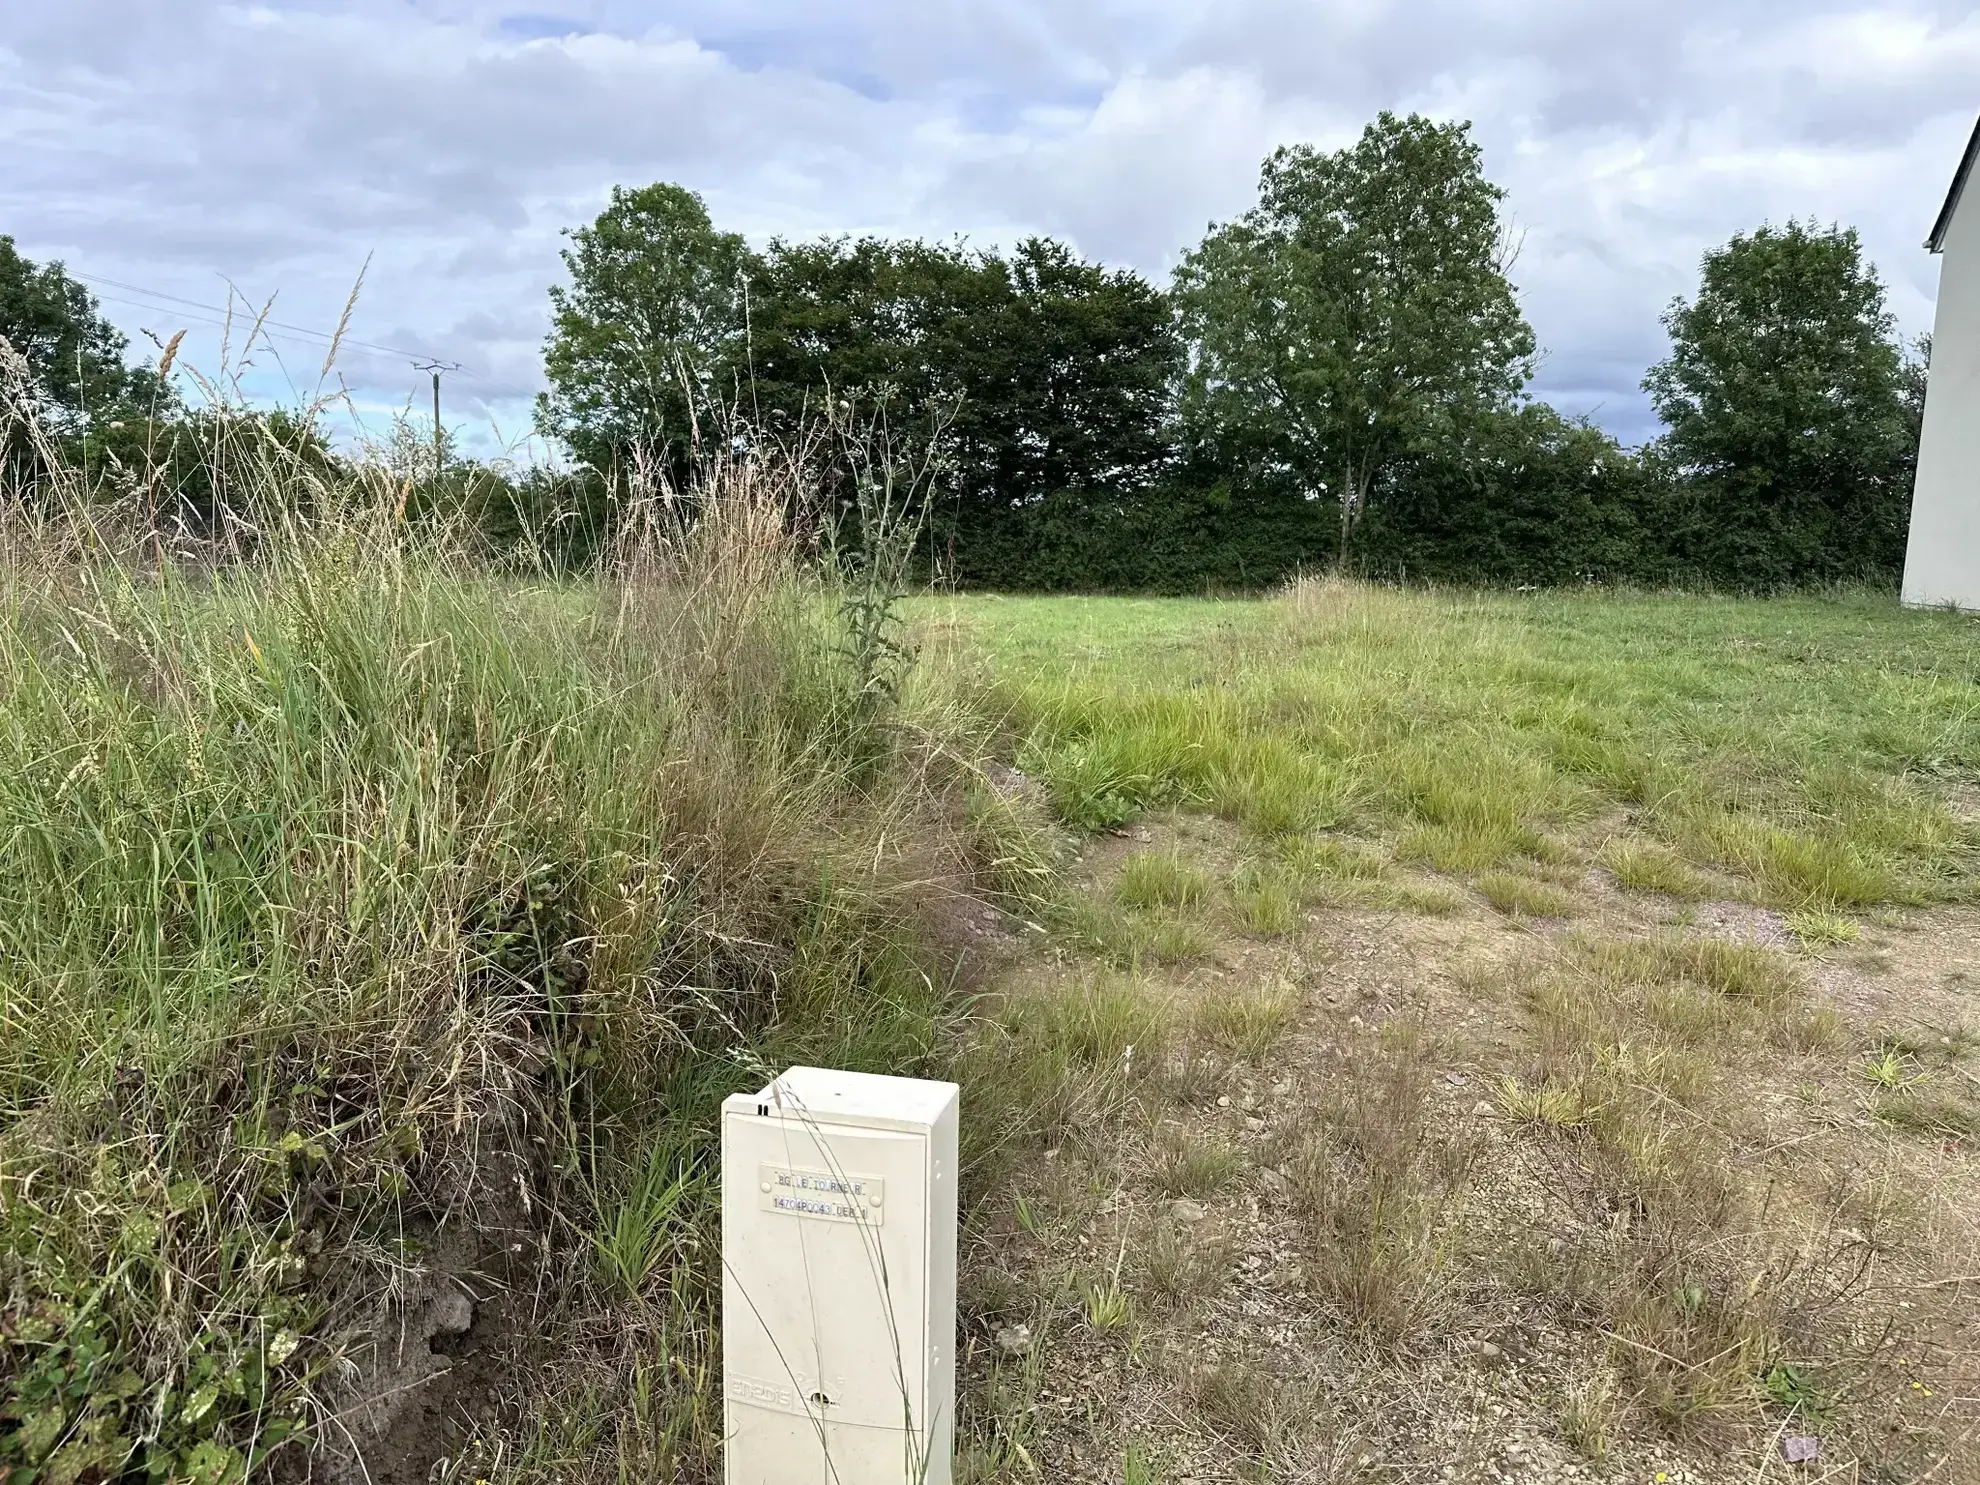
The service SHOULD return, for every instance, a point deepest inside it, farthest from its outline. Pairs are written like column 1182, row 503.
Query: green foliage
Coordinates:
column 1047, row 376
column 1151, row 879
column 78, row 1404
column 1191, row 532
column 639, row 1234
column 1359, row 311
column 1028, row 375
column 871, row 543
column 541, row 519
column 1336, row 377
column 1791, row 1387
column 1520, row 496
column 75, row 357
column 648, row 334
column 62, row 364
column 1785, row 400
column 865, row 318
column 207, row 473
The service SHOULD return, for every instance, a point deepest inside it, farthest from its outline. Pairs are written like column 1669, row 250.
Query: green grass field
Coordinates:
column 1677, row 883
column 374, row 920
column 1819, row 750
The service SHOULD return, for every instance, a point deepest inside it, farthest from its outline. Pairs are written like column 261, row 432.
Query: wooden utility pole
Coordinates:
column 439, row 443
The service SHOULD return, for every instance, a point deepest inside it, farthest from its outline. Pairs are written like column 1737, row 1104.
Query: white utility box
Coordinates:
column 839, row 1280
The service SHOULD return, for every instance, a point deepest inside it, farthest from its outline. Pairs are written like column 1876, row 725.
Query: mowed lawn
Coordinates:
column 1822, row 752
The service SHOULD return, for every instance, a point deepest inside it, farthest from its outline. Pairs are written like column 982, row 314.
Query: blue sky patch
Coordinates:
column 533, row 27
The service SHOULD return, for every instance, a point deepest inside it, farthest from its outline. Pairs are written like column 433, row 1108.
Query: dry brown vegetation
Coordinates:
column 1637, row 1188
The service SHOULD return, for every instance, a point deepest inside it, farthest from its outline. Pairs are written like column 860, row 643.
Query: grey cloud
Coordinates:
column 279, row 145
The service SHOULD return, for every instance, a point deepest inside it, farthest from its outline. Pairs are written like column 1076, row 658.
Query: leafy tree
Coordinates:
column 648, row 337
column 75, row 357
column 207, row 470
column 867, row 319
column 1360, row 311
column 1784, row 403
column 1912, row 378
column 1073, row 393
column 101, row 412
column 1046, row 374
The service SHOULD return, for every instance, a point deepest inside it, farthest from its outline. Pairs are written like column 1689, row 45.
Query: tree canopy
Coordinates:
column 1359, row 310
column 649, row 332
column 1339, row 372
column 75, row 357
column 1784, row 399
column 1047, row 374
column 1039, row 372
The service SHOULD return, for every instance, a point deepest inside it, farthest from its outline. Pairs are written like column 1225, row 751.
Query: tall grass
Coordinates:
column 377, row 930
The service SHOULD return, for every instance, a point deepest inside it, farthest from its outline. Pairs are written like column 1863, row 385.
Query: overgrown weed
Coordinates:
column 362, row 899
column 1378, row 1181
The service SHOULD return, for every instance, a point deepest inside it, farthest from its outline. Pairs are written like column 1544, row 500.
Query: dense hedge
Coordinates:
column 1531, row 497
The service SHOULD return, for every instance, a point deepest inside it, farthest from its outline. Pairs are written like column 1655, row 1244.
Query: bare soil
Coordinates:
column 1241, row 1355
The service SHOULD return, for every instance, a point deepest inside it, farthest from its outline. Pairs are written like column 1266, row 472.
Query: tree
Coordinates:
column 1784, row 404
column 1047, row 375
column 101, row 412
column 867, row 319
column 75, row 357
column 205, row 472
column 1912, row 379
column 648, row 338
column 1359, row 311
column 1075, row 392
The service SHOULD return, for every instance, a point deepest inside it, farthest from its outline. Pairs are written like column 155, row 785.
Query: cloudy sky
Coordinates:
column 170, row 150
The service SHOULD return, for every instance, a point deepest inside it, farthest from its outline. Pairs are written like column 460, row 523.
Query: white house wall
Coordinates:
column 1942, row 563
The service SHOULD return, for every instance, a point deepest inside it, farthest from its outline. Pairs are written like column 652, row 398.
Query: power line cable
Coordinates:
column 319, row 337
column 219, row 324
column 248, row 314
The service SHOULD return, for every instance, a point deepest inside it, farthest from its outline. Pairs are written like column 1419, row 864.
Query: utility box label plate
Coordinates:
column 826, row 1196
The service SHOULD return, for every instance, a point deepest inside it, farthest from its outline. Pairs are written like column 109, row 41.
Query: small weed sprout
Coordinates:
column 1162, row 879
column 1246, row 1023
column 1817, row 930
column 1551, row 1105
column 1266, row 902
column 1107, row 1305
column 1523, row 897
column 1138, row 1467
column 1889, row 1067
column 1645, row 866
column 1791, row 1387
column 1591, row 1414
column 1187, row 1163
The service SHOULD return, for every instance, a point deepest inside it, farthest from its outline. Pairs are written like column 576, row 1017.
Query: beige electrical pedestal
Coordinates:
column 839, row 1280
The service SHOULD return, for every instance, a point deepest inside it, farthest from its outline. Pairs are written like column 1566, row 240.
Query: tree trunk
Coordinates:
column 1347, row 518
column 1354, row 493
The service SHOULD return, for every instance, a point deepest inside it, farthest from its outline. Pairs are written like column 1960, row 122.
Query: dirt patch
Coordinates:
column 1501, row 1199
column 1921, row 968
column 431, row 1370
column 1742, row 923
